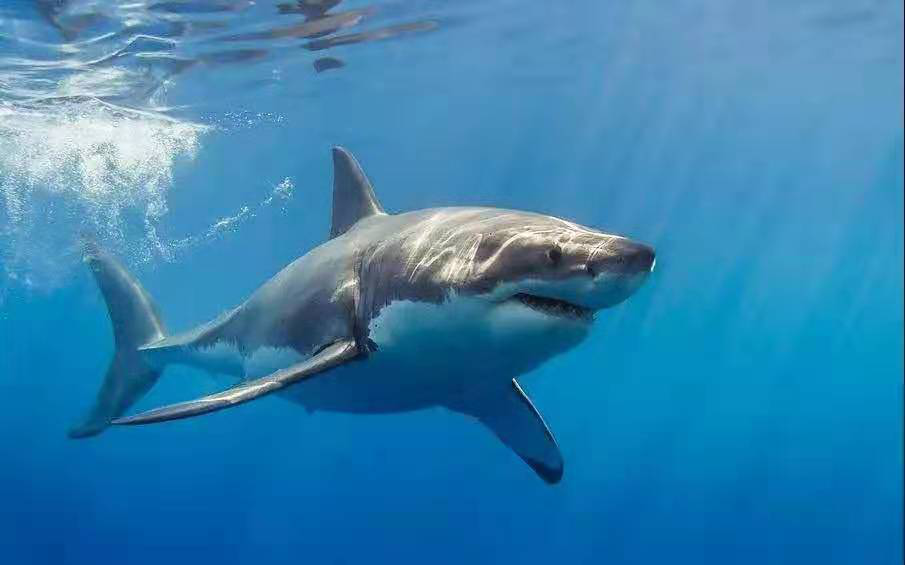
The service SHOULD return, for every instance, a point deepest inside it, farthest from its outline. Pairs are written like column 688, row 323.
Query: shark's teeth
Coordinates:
column 555, row 307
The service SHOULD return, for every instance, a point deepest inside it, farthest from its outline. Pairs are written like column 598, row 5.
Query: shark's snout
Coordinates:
column 619, row 272
column 624, row 258
column 642, row 258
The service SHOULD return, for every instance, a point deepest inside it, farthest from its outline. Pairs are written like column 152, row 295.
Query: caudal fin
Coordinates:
column 135, row 323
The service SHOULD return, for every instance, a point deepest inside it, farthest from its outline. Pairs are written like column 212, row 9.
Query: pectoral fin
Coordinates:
column 328, row 358
column 513, row 418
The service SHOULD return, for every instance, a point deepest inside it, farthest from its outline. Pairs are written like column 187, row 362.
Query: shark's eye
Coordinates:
column 555, row 255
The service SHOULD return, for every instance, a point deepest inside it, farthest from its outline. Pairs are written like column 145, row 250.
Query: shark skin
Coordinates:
column 444, row 307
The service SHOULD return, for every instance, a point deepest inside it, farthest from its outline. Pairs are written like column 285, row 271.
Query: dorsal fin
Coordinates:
column 353, row 195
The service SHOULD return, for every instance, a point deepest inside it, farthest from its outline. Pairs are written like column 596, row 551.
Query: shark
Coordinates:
column 443, row 307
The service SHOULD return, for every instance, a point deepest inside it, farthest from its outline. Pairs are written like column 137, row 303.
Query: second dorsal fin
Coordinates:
column 353, row 195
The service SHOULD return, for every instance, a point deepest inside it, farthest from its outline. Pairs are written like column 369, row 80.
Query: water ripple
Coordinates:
column 88, row 140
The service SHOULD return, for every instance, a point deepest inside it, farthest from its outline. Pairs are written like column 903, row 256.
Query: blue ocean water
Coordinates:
column 745, row 406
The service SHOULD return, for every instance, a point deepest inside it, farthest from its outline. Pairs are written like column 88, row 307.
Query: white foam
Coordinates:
column 82, row 165
column 86, row 145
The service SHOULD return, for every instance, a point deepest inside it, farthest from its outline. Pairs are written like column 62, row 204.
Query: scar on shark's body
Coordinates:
column 395, row 312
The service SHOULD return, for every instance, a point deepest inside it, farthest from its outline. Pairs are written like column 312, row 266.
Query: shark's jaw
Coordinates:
column 555, row 307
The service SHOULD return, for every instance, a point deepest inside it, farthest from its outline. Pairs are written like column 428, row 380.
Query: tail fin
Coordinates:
column 135, row 323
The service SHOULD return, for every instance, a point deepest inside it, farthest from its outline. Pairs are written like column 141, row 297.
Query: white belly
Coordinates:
column 427, row 353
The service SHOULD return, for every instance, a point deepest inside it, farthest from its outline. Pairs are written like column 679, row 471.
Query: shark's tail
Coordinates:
column 135, row 323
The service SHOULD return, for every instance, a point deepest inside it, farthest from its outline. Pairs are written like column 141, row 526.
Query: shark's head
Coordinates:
column 549, row 264
column 512, row 287
column 557, row 267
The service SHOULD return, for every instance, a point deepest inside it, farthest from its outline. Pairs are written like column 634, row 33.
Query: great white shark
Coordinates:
column 395, row 312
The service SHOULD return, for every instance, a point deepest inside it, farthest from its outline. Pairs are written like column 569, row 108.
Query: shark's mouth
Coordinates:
column 555, row 307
